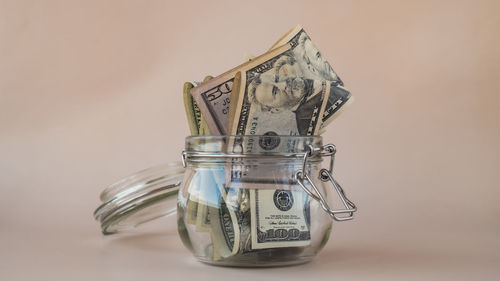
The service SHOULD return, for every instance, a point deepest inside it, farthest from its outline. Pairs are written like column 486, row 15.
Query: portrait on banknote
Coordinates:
column 276, row 91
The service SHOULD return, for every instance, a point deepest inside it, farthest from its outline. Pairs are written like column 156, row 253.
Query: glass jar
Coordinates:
column 250, row 201
column 257, row 200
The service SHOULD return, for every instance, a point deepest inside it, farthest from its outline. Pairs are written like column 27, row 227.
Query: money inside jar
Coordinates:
column 291, row 90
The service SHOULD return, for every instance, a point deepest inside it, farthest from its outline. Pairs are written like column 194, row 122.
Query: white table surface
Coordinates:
column 74, row 249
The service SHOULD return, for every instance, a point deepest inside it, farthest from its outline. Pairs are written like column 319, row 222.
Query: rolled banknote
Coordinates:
column 198, row 127
column 216, row 216
column 193, row 113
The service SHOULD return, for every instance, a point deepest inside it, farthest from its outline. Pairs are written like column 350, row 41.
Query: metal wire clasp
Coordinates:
column 325, row 175
column 184, row 165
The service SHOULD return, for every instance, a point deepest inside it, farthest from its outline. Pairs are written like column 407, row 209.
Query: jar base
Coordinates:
column 252, row 263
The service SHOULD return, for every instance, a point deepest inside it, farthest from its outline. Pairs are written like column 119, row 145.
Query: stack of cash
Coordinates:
column 289, row 90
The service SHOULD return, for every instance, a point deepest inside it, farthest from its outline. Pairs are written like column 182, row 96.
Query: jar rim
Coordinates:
column 316, row 137
column 225, row 147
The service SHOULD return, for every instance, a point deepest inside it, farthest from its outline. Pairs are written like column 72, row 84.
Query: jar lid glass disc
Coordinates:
column 138, row 198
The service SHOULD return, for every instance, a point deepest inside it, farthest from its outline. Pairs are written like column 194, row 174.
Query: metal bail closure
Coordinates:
column 325, row 175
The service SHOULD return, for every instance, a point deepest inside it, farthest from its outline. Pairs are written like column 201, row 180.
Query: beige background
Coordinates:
column 90, row 91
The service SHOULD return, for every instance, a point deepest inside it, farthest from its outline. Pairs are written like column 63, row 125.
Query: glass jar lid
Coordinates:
column 139, row 198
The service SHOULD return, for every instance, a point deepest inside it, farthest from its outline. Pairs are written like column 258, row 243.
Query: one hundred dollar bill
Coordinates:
column 249, row 177
column 279, row 218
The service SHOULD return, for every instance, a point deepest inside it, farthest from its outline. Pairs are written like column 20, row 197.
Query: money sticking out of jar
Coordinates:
column 251, row 190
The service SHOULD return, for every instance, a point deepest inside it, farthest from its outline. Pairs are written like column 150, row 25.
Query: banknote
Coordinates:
column 193, row 195
column 197, row 127
column 216, row 216
column 225, row 231
column 196, row 121
column 315, row 66
column 193, row 112
column 270, row 105
column 264, row 141
column 280, row 217
column 208, row 199
column 274, row 98
column 213, row 98
column 239, row 200
column 204, row 130
column 249, row 177
column 206, row 208
column 270, row 98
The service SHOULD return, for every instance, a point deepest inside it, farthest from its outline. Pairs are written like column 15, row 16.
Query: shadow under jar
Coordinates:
column 257, row 201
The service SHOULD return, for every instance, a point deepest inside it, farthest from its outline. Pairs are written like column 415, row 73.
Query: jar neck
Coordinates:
column 284, row 146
